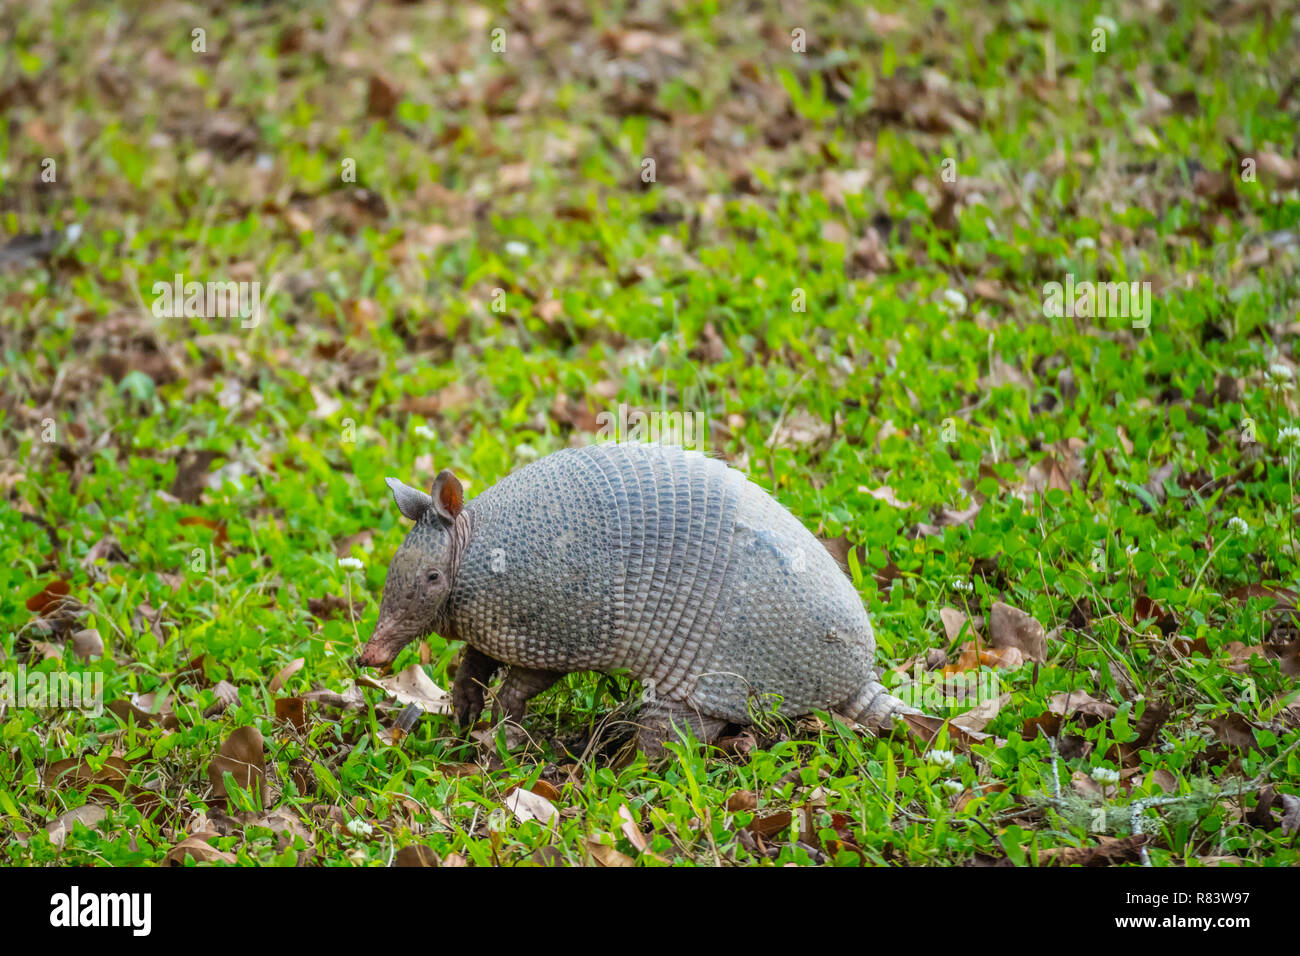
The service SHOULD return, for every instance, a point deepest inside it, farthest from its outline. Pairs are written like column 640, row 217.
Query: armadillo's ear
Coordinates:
column 448, row 495
column 411, row 502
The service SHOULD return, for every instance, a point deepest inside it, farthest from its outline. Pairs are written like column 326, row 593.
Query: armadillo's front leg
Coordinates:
column 468, row 692
column 521, row 683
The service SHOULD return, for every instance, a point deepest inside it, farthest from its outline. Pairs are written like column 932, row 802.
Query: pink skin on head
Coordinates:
column 385, row 644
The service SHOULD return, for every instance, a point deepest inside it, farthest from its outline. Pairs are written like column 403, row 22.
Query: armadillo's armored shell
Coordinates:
column 671, row 565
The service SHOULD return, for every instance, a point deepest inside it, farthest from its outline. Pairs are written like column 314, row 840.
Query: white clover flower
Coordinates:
column 424, row 431
column 1105, row 776
column 955, row 299
column 953, row 786
column 1131, row 549
column 960, row 585
column 1085, row 242
column 526, row 452
column 941, row 758
column 1289, row 436
column 1106, row 23
column 516, row 248
column 360, row 828
column 1237, row 525
column 1279, row 375
column 351, row 563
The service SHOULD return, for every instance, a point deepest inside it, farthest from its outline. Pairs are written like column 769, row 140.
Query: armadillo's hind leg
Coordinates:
column 476, row 670
column 521, row 683
column 875, row 708
column 661, row 721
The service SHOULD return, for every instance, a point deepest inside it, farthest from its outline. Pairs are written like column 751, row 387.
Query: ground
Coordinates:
column 858, row 241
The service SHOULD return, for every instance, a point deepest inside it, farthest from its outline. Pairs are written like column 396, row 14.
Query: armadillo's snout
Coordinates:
column 385, row 643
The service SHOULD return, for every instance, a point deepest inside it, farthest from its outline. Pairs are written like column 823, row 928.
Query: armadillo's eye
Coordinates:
column 433, row 576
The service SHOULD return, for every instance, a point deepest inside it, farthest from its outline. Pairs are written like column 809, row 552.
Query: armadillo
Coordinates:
column 649, row 559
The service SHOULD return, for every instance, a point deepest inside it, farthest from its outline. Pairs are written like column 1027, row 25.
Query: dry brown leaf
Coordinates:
column 412, row 686
column 770, row 824
column 978, row 717
column 199, row 849
column 416, row 854
column 280, row 679
column 953, row 622
column 1234, row 731
column 1163, row 779
column 526, row 805
column 632, row 830
column 75, row 773
column 147, row 709
column 546, row 789
column 89, row 814
column 327, row 607
column 966, row 796
column 577, row 415
column 606, row 855
column 50, row 598
column 1076, row 703
column 1109, row 851
column 1284, row 169
column 1010, row 627
column 243, row 757
column 800, row 429
column 742, row 801
column 973, row 656
column 1290, row 813
column 227, row 696
column 292, row 710
column 1241, row 655
column 1084, row 785
column 382, row 97
column 886, row 494
column 87, row 644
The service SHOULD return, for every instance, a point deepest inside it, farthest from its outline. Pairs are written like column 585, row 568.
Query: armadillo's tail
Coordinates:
column 874, row 708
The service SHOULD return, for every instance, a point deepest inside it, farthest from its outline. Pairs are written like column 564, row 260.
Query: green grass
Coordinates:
column 515, row 179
